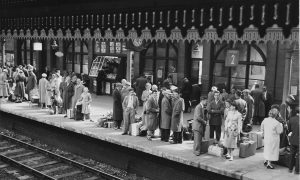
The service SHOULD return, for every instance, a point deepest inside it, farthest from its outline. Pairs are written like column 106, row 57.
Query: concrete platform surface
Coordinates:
column 240, row 168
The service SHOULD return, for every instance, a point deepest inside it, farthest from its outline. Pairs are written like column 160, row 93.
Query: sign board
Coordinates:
column 197, row 51
column 232, row 58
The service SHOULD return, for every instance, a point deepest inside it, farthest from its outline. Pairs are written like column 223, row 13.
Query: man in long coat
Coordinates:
column 78, row 90
column 130, row 105
column 31, row 81
column 268, row 100
column 125, row 90
column 250, row 106
column 117, row 106
column 259, row 106
column 166, row 116
column 140, row 87
column 67, row 99
column 199, row 124
column 177, row 118
column 186, row 93
column 215, row 110
column 152, row 113
column 43, row 89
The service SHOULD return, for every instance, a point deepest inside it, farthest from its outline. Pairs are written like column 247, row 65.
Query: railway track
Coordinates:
column 44, row 164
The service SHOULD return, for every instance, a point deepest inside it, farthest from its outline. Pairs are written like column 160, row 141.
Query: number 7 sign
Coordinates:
column 232, row 58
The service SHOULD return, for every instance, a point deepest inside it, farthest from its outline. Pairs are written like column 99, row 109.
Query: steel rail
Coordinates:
column 66, row 160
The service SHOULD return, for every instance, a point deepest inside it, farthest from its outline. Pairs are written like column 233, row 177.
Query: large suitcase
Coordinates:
column 247, row 149
column 215, row 150
column 135, row 129
column 78, row 114
column 70, row 113
column 257, row 137
column 205, row 144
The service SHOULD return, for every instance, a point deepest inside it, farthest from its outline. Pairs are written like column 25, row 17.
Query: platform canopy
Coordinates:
column 216, row 20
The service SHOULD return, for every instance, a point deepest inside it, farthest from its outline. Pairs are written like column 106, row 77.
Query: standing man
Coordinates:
column 186, row 94
column 166, row 116
column 168, row 82
column 152, row 110
column 215, row 110
column 130, row 105
column 268, row 100
column 31, row 81
column 199, row 124
column 231, row 96
column 210, row 96
column 293, row 126
column 241, row 104
column 259, row 105
column 250, row 106
column 43, row 89
column 140, row 87
column 177, row 118
column 125, row 90
column 117, row 106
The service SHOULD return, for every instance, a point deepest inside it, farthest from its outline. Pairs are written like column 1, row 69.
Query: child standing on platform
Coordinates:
column 86, row 100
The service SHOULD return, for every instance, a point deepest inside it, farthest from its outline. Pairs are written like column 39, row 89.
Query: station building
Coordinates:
column 227, row 43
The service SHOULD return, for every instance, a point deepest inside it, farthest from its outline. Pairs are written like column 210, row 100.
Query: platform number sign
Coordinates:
column 232, row 58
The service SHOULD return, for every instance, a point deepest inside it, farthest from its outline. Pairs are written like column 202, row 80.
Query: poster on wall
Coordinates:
column 197, row 51
column 107, row 88
column 232, row 58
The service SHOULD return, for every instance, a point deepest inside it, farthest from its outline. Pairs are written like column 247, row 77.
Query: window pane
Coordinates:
column 77, row 59
column 77, row 68
column 28, row 44
column 220, row 70
column 148, row 65
column 112, row 47
column 160, row 65
column 9, row 45
column 69, row 67
column 255, row 56
column 161, row 50
column 85, row 69
column 97, row 46
column 28, row 57
column 238, row 71
column 222, row 54
column 77, row 46
column 257, row 72
column 220, row 82
column 70, row 48
column 172, row 67
column 118, row 47
column 85, row 59
column 253, row 82
column 150, row 51
column 85, row 49
column 238, row 83
column 243, row 51
column 69, row 57
column 103, row 47
column 172, row 52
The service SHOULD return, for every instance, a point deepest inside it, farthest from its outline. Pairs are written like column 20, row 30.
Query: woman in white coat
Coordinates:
column 271, row 129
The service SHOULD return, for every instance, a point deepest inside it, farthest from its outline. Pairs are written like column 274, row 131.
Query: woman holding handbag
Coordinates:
column 233, row 128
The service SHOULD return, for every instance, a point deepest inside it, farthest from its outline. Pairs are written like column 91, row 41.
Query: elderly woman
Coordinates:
column 145, row 96
column 233, row 127
column 271, row 129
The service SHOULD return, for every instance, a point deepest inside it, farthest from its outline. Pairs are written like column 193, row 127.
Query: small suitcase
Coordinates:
column 78, row 114
column 247, row 149
column 284, row 159
column 70, row 113
column 205, row 144
column 135, row 129
column 215, row 150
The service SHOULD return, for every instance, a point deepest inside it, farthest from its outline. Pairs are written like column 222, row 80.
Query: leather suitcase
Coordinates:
column 205, row 144
column 78, row 114
column 247, row 149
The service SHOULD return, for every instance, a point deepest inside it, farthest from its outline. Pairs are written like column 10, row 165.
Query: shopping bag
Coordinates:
column 205, row 144
column 215, row 150
column 135, row 129
column 247, row 149
column 70, row 113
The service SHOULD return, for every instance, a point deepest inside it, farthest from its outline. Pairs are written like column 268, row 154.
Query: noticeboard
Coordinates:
column 232, row 58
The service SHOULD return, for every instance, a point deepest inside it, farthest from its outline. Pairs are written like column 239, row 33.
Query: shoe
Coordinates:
column 270, row 166
column 123, row 133
column 290, row 170
column 173, row 142
column 65, row 116
column 227, row 156
column 265, row 163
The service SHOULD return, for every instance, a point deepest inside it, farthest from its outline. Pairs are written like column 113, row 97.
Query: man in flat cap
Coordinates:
column 130, row 105
column 117, row 106
column 199, row 124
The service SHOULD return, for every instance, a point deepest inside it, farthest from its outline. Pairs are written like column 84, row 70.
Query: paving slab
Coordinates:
column 250, row 168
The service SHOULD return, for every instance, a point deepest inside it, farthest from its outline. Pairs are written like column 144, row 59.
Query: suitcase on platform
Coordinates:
column 247, row 149
column 70, row 113
column 205, row 144
column 215, row 150
column 78, row 114
column 257, row 137
column 135, row 129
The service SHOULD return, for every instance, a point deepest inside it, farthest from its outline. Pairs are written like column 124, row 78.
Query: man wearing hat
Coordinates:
column 210, row 96
column 242, row 105
column 130, row 105
column 125, row 89
column 293, row 126
column 152, row 110
column 43, row 89
column 250, row 106
column 31, row 81
column 117, row 106
column 166, row 115
column 199, row 124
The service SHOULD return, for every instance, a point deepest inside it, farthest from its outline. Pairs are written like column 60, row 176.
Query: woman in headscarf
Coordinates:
column 20, row 86
column 271, row 129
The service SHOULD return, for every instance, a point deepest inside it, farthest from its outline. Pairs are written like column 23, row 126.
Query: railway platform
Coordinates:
column 250, row 168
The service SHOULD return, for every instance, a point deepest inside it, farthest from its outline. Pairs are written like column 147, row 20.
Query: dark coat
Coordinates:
column 67, row 98
column 176, row 126
column 293, row 126
column 259, row 105
column 199, row 121
column 152, row 113
column 117, row 106
column 268, row 103
column 166, row 113
column 161, row 96
column 31, row 83
column 140, row 86
column 186, row 90
column 215, row 111
column 166, row 84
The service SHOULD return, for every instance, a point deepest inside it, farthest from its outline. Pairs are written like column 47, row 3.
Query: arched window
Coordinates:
column 26, row 51
column 159, row 60
column 77, row 57
column 249, row 71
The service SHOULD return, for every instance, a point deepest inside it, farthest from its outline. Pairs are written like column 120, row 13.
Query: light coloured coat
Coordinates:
column 152, row 113
column 43, row 89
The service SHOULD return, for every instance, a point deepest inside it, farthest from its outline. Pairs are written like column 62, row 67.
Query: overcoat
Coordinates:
column 259, row 106
column 216, row 115
column 166, row 113
column 20, row 87
column 67, row 98
column 117, row 105
column 3, row 84
column 31, row 83
column 152, row 110
column 250, row 108
column 43, row 89
column 140, row 86
column 177, row 115
column 78, row 90
column 199, row 121
column 271, row 129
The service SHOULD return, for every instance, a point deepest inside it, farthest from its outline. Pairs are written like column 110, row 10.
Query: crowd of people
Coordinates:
column 59, row 93
column 226, row 116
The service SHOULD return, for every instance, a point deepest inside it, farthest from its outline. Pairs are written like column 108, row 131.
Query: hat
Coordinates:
column 119, row 85
column 246, row 91
column 167, row 91
column 128, row 83
column 203, row 98
column 44, row 75
column 5, row 70
column 30, row 68
column 214, row 88
column 275, row 106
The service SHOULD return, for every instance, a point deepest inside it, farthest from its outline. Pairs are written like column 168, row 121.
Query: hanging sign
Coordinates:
column 232, row 58
column 197, row 51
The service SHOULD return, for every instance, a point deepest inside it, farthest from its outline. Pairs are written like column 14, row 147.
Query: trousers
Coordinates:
column 294, row 158
column 129, row 114
column 165, row 134
column 213, row 129
column 197, row 142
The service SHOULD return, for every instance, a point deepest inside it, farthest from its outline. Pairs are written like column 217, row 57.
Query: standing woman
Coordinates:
column 68, row 94
column 3, row 84
column 86, row 100
column 145, row 96
column 271, row 129
column 43, row 89
column 152, row 113
column 233, row 128
column 226, row 110
column 177, row 117
column 20, row 87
